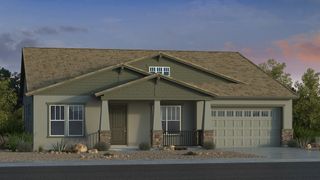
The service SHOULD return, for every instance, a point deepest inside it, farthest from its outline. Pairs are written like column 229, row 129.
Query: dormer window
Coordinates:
column 164, row 70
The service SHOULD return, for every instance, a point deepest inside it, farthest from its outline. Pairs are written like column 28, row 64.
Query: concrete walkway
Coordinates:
column 268, row 155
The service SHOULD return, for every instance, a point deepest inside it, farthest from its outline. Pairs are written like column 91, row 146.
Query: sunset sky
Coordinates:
column 286, row 30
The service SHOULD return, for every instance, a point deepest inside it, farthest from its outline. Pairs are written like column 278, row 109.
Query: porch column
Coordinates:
column 199, row 115
column 157, row 127
column 104, row 129
column 287, row 131
column 208, row 132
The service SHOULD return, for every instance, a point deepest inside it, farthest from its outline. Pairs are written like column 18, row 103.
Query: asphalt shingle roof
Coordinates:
column 47, row 66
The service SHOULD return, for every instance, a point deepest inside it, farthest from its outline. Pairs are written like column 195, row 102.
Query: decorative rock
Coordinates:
column 309, row 147
column 80, row 148
column 82, row 156
column 93, row 151
column 172, row 147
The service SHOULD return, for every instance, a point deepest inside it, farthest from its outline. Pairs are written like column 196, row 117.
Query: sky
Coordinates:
column 285, row 30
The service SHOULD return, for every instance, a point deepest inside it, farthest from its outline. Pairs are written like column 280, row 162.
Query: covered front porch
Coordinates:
column 157, row 122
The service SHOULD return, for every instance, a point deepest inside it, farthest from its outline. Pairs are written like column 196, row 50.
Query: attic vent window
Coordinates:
column 164, row 70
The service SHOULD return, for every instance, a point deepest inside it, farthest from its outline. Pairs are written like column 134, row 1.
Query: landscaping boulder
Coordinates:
column 80, row 148
column 93, row 151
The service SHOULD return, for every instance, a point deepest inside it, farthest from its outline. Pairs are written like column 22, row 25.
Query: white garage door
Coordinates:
column 246, row 127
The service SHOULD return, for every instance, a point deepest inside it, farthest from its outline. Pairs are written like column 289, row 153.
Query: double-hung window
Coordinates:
column 164, row 70
column 66, row 120
column 171, row 118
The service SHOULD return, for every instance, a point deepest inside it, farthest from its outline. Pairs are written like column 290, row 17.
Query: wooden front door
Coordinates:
column 118, row 124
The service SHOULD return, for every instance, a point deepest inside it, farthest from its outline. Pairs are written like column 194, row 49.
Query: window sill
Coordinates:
column 82, row 136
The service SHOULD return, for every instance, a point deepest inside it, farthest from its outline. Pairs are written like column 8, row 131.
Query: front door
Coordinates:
column 118, row 124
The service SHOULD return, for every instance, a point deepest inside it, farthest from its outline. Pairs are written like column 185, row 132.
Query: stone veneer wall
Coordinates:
column 208, row 135
column 286, row 136
column 157, row 138
column 105, row 136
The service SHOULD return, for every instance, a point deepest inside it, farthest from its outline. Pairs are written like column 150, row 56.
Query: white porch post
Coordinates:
column 104, row 129
column 157, row 127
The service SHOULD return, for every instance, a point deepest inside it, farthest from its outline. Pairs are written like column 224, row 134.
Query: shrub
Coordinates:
column 190, row 153
column 292, row 143
column 24, row 146
column 208, row 145
column 304, row 136
column 40, row 149
column 15, row 139
column 59, row 146
column 102, row 146
column 144, row 146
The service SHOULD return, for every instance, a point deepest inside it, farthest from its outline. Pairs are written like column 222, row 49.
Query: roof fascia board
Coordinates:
column 157, row 76
column 201, row 68
column 86, row 75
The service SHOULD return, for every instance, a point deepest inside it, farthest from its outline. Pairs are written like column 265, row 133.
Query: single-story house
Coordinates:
column 161, row 97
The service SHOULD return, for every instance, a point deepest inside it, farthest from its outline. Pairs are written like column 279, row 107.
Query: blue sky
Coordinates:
column 287, row 30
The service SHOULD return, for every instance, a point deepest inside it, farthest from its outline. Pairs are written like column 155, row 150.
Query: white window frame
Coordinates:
column 160, row 70
column 67, row 120
column 166, row 118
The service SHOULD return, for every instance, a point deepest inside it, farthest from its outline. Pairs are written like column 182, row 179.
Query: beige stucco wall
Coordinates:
column 41, row 121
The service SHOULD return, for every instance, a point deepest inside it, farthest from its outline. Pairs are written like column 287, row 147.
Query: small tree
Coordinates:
column 8, row 100
column 276, row 70
column 306, row 109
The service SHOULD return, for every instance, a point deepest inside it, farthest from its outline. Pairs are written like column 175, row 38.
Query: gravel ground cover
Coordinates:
column 6, row 156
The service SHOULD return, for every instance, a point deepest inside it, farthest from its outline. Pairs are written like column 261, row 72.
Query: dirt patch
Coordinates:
column 6, row 156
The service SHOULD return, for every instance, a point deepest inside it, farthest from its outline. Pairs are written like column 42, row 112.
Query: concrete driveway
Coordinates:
column 281, row 153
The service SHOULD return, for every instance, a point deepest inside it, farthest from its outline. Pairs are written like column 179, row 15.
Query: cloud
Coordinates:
column 10, row 49
column 47, row 30
column 305, row 47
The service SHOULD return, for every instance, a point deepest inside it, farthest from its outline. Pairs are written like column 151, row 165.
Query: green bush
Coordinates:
column 59, row 146
column 102, row 146
column 40, row 149
column 24, row 146
column 304, row 136
column 293, row 143
column 15, row 139
column 144, row 146
column 209, row 145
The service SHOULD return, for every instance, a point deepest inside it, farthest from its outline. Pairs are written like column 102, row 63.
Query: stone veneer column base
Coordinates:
column 286, row 136
column 157, row 138
column 208, row 135
column 105, row 136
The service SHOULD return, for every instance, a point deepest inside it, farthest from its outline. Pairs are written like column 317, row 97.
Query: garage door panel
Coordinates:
column 247, row 131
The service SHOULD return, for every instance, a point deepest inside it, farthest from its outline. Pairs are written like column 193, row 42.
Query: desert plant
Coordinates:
column 144, row 146
column 304, row 136
column 102, row 146
column 208, row 145
column 59, row 146
column 23, row 146
column 190, row 153
column 40, row 149
column 293, row 143
column 15, row 139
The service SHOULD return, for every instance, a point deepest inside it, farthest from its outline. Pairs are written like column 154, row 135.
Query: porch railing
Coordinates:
column 182, row 138
column 92, row 139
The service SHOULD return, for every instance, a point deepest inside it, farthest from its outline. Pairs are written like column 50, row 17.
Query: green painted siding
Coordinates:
column 151, row 89
column 93, row 83
column 178, row 70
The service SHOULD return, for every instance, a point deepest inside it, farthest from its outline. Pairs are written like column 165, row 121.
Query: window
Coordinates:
column 247, row 113
column 171, row 118
column 164, row 70
column 264, row 113
column 238, row 113
column 229, row 113
column 256, row 113
column 220, row 113
column 66, row 120
column 213, row 113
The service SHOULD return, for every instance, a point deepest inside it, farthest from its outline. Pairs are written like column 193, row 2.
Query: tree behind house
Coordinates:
column 276, row 71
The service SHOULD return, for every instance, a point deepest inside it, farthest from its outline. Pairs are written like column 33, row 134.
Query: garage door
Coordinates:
column 246, row 127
